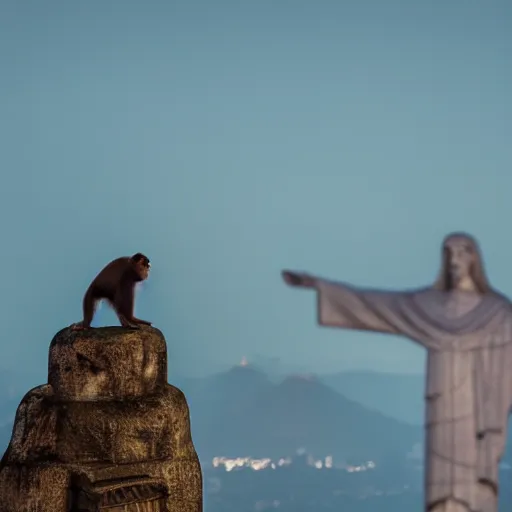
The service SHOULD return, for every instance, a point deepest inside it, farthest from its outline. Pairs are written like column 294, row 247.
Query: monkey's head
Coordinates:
column 141, row 265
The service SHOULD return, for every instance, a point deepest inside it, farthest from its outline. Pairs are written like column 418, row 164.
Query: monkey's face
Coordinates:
column 143, row 268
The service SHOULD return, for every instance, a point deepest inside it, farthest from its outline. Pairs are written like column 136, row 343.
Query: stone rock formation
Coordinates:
column 106, row 433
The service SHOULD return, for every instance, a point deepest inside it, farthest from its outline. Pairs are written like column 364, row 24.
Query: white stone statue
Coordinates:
column 466, row 327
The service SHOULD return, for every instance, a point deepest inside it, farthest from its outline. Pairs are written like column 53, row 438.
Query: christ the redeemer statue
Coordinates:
column 466, row 327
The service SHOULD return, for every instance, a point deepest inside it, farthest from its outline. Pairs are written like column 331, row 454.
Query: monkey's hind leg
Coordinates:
column 89, row 307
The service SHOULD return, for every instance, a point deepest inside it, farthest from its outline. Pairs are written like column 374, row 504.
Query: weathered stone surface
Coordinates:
column 51, row 487
column 110, row 363
column 48, row 487
column 42, row 488
column 71, row 455
column 130, row 431
column 114, row 432
column 35, row 426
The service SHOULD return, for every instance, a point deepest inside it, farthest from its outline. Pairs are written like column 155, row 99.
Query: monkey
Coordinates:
column 116, row 283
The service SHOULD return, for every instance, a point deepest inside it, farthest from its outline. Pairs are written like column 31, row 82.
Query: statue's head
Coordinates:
column 462, row 266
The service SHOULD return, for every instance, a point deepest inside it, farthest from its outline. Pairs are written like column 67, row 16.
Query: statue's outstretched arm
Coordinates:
column 345, row 306
column 349, row 307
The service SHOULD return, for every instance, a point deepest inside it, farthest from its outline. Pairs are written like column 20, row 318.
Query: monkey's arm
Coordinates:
column 142, row 322
column 123, row 303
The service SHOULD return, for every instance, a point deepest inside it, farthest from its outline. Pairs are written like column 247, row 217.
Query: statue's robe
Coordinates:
column 469, row 380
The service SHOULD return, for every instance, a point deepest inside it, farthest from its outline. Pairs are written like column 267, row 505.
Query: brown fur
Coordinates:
column 116, row 284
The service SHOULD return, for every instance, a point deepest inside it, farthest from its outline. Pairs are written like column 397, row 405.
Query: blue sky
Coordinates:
column 230, row 139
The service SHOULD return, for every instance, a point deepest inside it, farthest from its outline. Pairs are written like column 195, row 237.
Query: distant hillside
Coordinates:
column 220, row 395
column 241, row 413
column 395, row 395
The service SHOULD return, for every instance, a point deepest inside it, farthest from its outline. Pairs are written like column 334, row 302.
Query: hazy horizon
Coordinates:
column 290, row 370
column 229, row 140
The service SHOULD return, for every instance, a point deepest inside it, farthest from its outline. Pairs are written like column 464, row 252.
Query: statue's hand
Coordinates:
column 298, row 279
